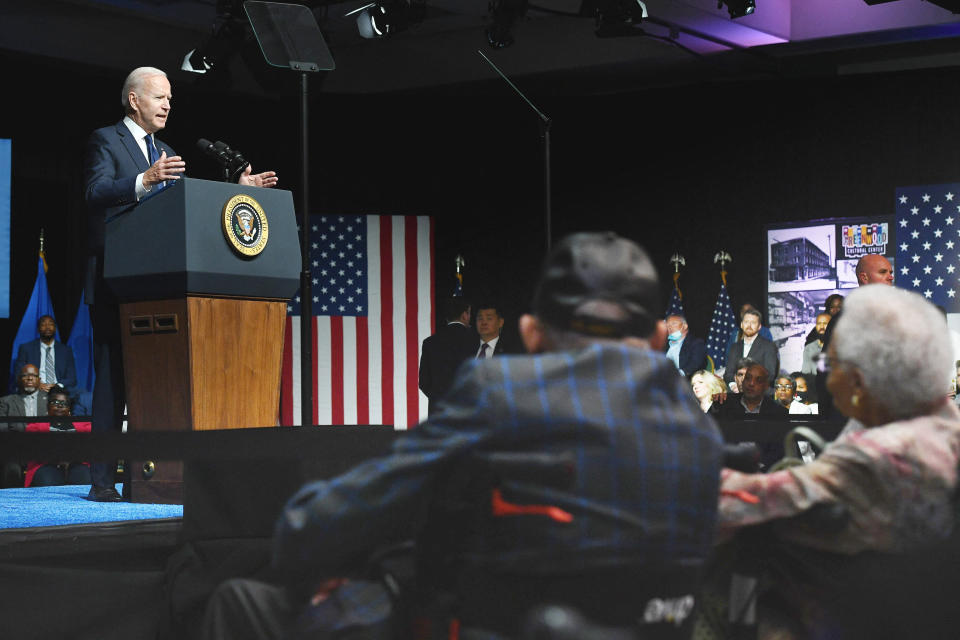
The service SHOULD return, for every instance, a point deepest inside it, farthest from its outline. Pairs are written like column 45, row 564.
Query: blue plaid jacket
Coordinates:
column 645, row 484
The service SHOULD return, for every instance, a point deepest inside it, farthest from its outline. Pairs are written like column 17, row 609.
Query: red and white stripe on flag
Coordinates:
column 366, row 367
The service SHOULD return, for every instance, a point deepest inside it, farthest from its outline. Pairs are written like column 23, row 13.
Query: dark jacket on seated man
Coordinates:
column 733, row 408
column 639, row 464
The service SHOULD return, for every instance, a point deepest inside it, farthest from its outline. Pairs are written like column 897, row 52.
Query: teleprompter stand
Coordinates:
column 290, row 38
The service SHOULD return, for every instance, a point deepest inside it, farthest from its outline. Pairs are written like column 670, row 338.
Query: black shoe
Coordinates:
column 103, row 494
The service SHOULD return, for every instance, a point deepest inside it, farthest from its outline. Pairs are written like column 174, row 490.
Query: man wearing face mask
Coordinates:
column 688, row 353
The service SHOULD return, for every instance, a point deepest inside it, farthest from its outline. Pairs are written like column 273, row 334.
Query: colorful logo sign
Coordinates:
column 860, row 239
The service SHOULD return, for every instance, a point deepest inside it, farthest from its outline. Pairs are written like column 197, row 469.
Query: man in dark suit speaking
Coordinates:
column 123, row 163
column 443, row 352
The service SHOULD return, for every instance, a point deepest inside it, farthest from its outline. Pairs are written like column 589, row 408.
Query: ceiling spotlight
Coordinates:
column 383, row 18
column 738, row 8
column 504, row 14
column 618, row 18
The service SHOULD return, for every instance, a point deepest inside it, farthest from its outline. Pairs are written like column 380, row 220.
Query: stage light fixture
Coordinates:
column 619, row 18
column 738, row 8
column 224, row 38
column 384, row 18
column 504, row 14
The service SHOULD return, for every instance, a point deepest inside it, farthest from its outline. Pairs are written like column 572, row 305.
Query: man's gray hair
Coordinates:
column 900, row 344
column 134, row 82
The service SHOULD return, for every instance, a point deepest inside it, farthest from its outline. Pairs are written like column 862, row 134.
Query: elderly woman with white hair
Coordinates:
column 894, row 466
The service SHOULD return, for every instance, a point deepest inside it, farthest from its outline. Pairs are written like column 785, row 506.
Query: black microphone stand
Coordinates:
column 545, row 123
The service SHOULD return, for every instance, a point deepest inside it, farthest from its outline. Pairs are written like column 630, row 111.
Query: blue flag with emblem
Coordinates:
column 40, row 305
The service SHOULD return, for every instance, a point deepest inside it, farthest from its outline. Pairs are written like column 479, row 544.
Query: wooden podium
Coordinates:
column 203, row 271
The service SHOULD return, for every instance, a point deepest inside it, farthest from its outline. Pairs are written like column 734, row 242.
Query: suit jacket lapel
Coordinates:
column 136, row 155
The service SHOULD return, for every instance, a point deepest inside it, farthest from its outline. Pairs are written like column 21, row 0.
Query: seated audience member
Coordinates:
column 815, row 346
column 805, row 393
column 688, row 353
column 29, row 401
column 741, row 370
column 894, row 466
column 784, row 392
column 754, row 346
column 589, row 387
column 753, row 398
column 47, row 474
column 705, row 386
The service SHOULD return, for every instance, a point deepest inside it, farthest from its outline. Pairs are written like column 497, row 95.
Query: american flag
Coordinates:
column 928, row 242
column 675, row 308
column 721, row 325
column 373, row 306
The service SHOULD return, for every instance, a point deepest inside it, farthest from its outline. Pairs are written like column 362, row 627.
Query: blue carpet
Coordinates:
column 58, row 506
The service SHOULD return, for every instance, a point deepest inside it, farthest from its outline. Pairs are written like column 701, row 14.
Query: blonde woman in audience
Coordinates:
column 705, row 386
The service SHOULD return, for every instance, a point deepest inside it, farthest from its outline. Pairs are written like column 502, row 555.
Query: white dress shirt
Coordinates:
column 30, row 404
column 491, row 345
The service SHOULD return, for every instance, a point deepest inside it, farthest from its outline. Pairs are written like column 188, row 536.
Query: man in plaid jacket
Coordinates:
column 639, row 461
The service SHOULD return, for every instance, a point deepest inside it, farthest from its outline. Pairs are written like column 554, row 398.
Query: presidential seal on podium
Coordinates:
column 245, row 225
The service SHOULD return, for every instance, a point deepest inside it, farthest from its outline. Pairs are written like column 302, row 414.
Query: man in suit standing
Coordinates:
column 687, row 352
column 443, row 352
column 489, row 325
column 57, row 365
column 758, row 348
column 29, row 401
column 123, row 163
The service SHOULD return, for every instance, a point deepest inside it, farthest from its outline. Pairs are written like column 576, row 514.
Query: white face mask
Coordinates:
column 673, row 337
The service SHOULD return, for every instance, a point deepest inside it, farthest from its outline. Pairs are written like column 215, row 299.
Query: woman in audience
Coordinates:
column 705, row 386
column 805, row 393
column 888, row 484
column 894, row 466
column 41, row 474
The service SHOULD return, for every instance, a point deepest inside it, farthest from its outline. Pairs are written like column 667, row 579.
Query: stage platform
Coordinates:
column 70, row 567
column 77, row 569
column 62, row 506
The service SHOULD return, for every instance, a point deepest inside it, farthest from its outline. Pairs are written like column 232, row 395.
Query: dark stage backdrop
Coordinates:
column 691, row 169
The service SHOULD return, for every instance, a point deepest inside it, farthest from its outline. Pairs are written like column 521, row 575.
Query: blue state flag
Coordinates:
column 723, row 323
column 40, row 305
column 81, row 342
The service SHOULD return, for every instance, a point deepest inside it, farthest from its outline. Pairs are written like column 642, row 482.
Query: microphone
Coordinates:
column 233, row 162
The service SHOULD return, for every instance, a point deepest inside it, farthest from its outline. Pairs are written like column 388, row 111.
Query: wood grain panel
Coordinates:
column 236, row 354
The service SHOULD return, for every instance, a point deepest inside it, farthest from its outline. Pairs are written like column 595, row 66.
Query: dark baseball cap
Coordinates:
column 599, row 284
